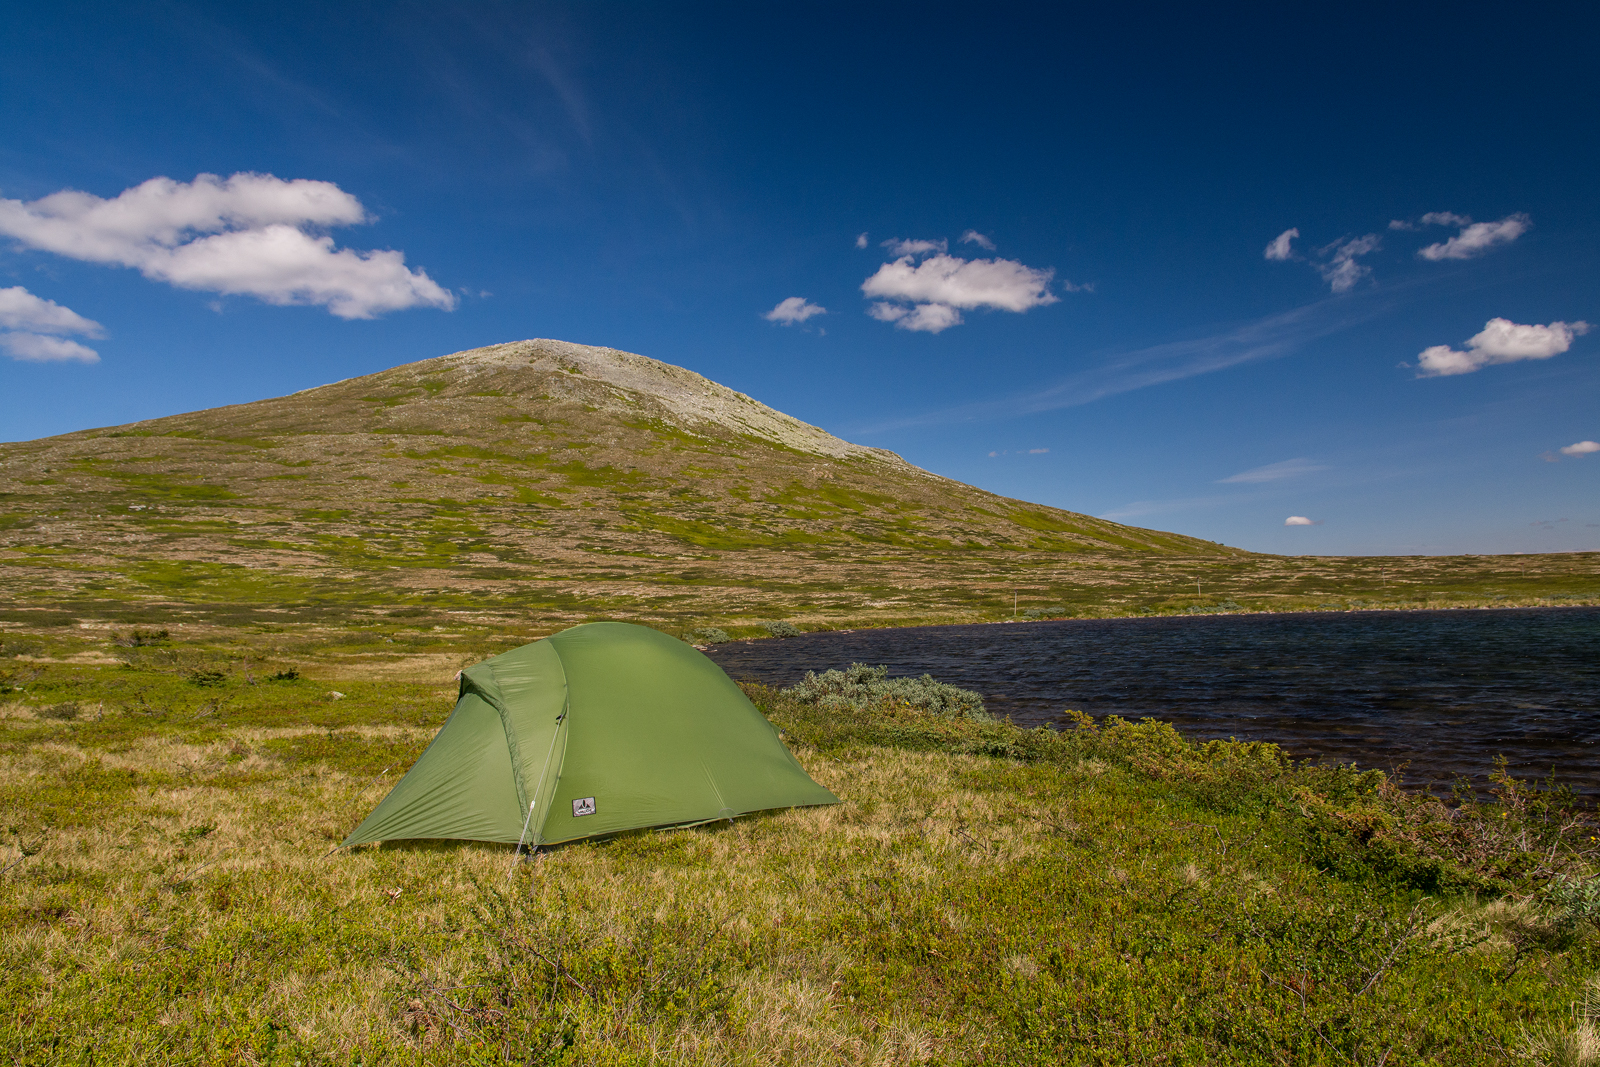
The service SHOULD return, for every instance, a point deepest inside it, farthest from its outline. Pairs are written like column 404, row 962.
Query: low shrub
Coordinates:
column 142, row 638
column 708, row 635
column 1358, row 825
column 60, row 712
column 860, row 687
column 779, row 628
column 1576, row 901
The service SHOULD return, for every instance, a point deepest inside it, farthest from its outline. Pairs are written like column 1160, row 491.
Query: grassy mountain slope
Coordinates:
column 562, row 478
column 539, row 483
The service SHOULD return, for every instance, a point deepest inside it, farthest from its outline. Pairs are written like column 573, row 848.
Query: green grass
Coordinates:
column 1104, row 895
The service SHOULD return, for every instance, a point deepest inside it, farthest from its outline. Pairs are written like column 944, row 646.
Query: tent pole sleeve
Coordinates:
column 517, row 854
column 538, row 790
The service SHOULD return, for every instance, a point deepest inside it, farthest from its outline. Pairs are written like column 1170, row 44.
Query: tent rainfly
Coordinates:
column 600, row 728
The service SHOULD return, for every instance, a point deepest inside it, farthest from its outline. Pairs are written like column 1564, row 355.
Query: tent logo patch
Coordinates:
column 584, row 806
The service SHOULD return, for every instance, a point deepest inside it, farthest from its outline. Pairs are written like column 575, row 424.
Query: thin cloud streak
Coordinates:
column 1273, row 472
column 1268, row 338
column 1140, row 508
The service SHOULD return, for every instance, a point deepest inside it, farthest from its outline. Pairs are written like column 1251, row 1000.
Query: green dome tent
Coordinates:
column 599, row 728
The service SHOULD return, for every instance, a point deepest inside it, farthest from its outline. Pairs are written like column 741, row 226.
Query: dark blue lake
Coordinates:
column 1442, row 691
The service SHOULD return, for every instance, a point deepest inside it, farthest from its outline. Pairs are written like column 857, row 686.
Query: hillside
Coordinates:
column 537, row 478
column 540, row 483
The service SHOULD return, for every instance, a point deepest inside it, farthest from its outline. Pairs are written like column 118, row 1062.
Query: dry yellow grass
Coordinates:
column 181, row 901
column 224, row 837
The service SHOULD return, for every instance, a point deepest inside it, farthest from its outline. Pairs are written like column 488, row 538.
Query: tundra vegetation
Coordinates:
column 539, row 484
column 1104, row 893
column 225, row 635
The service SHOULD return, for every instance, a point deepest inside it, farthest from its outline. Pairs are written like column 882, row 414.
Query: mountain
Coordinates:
column 538, row 480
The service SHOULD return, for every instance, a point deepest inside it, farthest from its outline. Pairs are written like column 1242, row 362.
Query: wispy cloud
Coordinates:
column 1274, row 472
column 1474, row 239
column 1124, row 372
column 1340, row 269
column 1432, row 218
column 567, row 90
column 792, row 310
column 31, row 329
column 250, row 234
column 919, row 318
column 909, row 247
column 1279, row 247
column 861, row 240
column 1138, row 509
column 973, row 237
column 1500, row 341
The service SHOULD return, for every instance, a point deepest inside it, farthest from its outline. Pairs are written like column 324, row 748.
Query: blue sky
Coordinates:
column 1086, row 297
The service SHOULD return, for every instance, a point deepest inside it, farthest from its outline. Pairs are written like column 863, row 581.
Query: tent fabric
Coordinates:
column 600, row 728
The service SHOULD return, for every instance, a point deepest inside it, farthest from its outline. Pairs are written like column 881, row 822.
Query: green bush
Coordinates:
column 860, row 687
column 1576, row 900
column 779, row 628
column 708, row 635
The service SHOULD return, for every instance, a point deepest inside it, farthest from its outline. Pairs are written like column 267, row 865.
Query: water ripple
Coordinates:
column 1443, row 692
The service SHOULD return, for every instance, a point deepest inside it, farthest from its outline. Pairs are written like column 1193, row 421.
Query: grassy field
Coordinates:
column 1103, row 895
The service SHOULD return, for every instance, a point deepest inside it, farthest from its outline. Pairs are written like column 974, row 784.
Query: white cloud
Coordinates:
column 1401, row 224
column 973, row 237
column 861, row 240
column 27, row 318
column 792, row 310
column 1445, row 218
column 898, row 247
column 942, row 279
column 920, row 318
column 21, row 310
column 1477, row 238
column 1037, row 451
column 941, row 284
column 1341, row 271
column 1298, row 520
column 1279, row 248
column 246, row 234
column 1273, row 472
column 36, row 348
column 1582, row 448
column 1500, row 341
